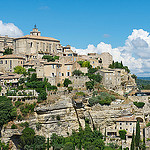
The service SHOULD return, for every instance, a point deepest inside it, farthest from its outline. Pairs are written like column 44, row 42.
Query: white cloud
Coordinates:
column 134, row 54
column 10, row 29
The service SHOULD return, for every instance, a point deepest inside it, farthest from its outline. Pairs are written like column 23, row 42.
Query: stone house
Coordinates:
column 8, row 62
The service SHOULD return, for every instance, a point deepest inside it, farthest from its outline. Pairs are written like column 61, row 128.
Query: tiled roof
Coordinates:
column 37, row 37
column 127, row 118
column 11, row 56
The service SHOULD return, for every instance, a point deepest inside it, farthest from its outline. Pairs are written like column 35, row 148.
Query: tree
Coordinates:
column 7, row 111
column 67, row 82
column 42, row 96
column 122, row 134
column 48, row 146
column 137, row 136
column 20, row 70
column 33, row 77
column 86, row 64
column 134, row 76
column 8, row 51
column 68, row 146
column 70, row 88
column 133, row 142
column 0, row 88
column 49, row 58
column 27, row 137
column 77, row 73
column 89, row 85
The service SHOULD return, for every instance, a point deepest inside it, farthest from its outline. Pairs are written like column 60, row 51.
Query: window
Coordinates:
column 59, row 73
column 1, row 62
column 31, row 44
column 62, row 74
column 53, row 74
column 10, row 64
column 120, row 127
column 130, row 123
column 6, row 61
column 126, row 123
column 53, row 66
column 69, row 54
column 93, row 62
column 68, row 67
column 74, row 59
column 68, row 73
column 120, row 123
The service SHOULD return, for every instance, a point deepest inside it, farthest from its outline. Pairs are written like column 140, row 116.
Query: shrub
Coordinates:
column 77, row 73
column 38, row 126
column 67, row 82
column 13, row 126
column 148, row 124
column 58, row 84
column 139, row 104
column 122, row 134
column 24, row 124
column 20, row 118
column 80, row 93
column 70, row 88
column 58, row 117
column 18, row 103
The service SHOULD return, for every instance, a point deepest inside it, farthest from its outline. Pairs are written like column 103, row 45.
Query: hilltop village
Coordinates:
column 56, row 92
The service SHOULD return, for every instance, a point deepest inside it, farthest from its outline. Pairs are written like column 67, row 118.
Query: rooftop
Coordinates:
column 11, row 56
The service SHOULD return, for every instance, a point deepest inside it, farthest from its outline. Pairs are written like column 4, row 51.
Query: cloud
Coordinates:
column 10, row 29
column 106, row 35
column 134, row 54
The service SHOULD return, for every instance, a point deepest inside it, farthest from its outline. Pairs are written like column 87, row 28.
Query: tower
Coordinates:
column 35, row 31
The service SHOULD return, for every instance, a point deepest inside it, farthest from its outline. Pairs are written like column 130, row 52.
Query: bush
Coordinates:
column 13, row 126
column 67, row 82
column 148, row 124
column 24, row 124
column 139, row 104
column 58, row 117
column 20, row 118
column 38, row 126
column 77, row 73
column 80, row 93
column 18, row 103
column 122, row 134
column 58, row 84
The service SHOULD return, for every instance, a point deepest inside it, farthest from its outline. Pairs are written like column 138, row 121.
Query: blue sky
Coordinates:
column 79, row 22
column 87, row 25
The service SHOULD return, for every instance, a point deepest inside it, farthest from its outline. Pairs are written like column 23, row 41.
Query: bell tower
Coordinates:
column 35, row 31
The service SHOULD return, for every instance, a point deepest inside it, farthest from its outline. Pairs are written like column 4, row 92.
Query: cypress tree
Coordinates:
column 133, row 141
column 137, row 137
column 47, row 143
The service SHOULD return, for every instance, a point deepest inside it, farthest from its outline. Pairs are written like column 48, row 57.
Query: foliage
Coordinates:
column 0, row 88
column 103, row 98
column 137, row 136
column 80, row 93
column 143, row 84
column 24, row 124
column 80, row 63
column 18, row 103
column 7, row 111
column 58, row 117
column 13, row 126
column 50, row 58
column 133, row 142
column 4, row 146
column 119, row 65
column 31, row 70
column 89, row 85
column 148, row 124
column 77, row 73
column 139, row 104
column 92, row 70
column 27, row 137
column 8, row 51
column 122, row 134
column 113, row 145
column 20, row 118
column 20, row 70
column 134, row 76
column 27, row 108
column 42, row 96
column 95, row 77
column 87, row 139
column 58, row 84
column 67, row 82
column 38, row 126
column 70, row 88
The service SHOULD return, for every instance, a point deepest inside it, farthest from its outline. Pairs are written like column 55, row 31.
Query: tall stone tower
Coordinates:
column 35, row 31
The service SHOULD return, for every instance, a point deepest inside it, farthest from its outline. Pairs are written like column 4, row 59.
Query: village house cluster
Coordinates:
column 29, row 50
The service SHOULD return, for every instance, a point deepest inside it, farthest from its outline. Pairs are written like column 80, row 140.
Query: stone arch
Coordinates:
column 139, row 119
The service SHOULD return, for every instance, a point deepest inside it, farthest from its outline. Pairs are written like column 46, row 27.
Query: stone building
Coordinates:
column 6, row 42
column 8, row 62
column 35, row 45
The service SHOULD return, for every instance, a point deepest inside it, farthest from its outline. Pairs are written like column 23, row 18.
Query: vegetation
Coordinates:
column 67, row 82
column 20, row 70
column 8, row 51
column 133, row 142
column 77, row 73
column 122, row 134
column 115, row 65
column 80, row 93
column 7, row 111
column 89, row 85
column 24, row 124
column 134, row 76
column 18, row 103
column 50, row 58
column 70, row 88
column 148, row 124
column 4, row 146
column 139, row 104
column 84, row 64
column 143, row 84
column 13, row 126
column 137, row 136
column 103, row 98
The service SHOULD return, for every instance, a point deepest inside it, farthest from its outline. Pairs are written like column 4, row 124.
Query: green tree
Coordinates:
column 49, row 58
column 0, row 88
column 8, row 51
column 134, row 76
column 68, row 146
column 27, row 137
column 33, row 77
column 70, row 88
column 122, row 134
column 89, row 85
column 67, row 82
column 137, row 136
column 20, row 70
column 42, row 96
column 77, row 73
column 133, row 142
column 7, row 111
column 86, row 64
column 48, row 146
